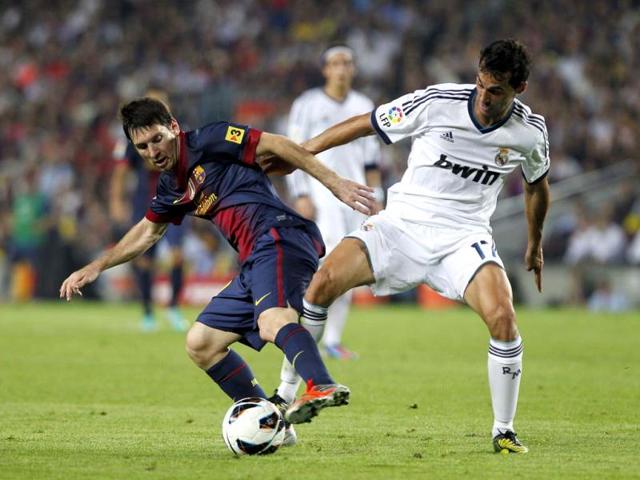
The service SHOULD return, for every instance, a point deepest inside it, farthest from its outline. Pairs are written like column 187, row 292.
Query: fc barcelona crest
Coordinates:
column 502, row 157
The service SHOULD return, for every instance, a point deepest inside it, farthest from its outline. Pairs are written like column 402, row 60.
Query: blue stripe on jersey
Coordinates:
column 538, row 123
column 377, row 128
column 444, row 94
column 529, row 118
column 430, row 90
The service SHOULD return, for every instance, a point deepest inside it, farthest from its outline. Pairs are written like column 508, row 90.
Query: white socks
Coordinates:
column 505, row 370
column 337, row 319
column 313, row 319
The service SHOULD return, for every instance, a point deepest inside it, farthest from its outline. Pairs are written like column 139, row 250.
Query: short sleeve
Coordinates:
column 162, row 208
column 229, row 140
column 401, row 118
column 537, row 163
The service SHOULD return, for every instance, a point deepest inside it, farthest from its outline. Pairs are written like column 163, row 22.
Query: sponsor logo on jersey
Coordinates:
column 204, row 203
column 234, row 134
column 479, row 175
column 448, row 136
column 502, row 157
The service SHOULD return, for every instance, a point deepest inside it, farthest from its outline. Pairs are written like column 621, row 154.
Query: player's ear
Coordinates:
column 174, row 126
column 521, row 88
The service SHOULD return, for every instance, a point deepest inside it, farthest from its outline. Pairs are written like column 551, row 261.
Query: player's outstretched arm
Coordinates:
column 135, row 242
column 357, row 196
column 536, row 201
column 341, row 133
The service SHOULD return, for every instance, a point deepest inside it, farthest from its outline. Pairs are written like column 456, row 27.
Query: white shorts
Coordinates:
column 405, row 254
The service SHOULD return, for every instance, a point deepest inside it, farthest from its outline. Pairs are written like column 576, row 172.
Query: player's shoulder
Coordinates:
column 311, row 95
column 360, row 98
column 523, row 114
column 440, row 93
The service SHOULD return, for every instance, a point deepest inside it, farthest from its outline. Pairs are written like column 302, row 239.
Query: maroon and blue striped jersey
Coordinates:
column 217, row 178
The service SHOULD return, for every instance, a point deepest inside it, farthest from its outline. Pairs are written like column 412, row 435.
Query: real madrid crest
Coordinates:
column 502, row 157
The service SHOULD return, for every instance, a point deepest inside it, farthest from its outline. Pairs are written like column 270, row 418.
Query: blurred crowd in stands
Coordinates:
column 66, row 66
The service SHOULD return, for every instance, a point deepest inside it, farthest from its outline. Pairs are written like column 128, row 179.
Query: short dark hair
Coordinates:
column 143, row 113
column 506, row 57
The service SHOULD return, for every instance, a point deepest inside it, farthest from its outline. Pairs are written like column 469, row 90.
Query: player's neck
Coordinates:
column 337, row 92
column 487, row 121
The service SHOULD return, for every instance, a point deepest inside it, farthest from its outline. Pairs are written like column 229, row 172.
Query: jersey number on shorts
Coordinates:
column 478, row 247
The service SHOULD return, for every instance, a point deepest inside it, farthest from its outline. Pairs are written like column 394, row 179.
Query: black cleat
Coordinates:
column 508, row 442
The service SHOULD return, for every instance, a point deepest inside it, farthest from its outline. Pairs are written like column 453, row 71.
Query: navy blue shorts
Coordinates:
column 276, row 274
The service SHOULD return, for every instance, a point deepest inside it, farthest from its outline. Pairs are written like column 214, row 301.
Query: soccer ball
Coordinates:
column 253, row 426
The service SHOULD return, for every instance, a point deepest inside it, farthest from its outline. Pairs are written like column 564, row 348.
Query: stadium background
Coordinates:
column 67, row 65
column 85, row 394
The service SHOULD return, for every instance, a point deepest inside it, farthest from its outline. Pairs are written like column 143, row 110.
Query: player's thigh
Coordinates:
column 279, row 269
column 489, row 294
column 232, row 311
column 209, row 340
column 346, row 267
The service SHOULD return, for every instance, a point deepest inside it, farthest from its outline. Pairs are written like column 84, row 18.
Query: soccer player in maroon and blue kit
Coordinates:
column 213, row 173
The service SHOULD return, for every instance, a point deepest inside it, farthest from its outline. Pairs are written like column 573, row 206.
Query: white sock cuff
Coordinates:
column 506, row 352
column 313, row 312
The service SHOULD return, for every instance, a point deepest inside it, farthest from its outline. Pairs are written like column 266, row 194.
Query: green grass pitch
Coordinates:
column 85, row 394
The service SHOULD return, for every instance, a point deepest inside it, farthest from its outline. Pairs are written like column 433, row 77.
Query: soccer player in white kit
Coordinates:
column 312, row 113
column 435, row 228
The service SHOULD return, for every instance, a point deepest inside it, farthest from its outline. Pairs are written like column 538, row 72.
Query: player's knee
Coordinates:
column 199, row 349
column 272, row 320
column 501, row 320
column 323, row 289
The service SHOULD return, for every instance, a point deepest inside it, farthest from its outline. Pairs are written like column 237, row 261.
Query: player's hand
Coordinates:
column 359, row 197
column 274, row 165
column 77, row 280
column 534, row 260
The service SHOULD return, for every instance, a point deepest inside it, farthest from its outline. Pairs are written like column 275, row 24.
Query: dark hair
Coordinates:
column 506, row 57
column 143, row 113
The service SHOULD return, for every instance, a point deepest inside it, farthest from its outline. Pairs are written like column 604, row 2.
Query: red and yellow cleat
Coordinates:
column 315, row 399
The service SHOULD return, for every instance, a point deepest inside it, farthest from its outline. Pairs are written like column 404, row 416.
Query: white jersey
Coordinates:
column 456, row 167
column 311, row 114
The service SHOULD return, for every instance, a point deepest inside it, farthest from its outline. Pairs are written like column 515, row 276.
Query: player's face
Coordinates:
column 158, row 145
column 339, row 70
column 493, row 97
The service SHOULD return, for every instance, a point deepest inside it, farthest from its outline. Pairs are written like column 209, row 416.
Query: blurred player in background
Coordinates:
column 313, row 112
column 128, row 206
column 212, row 173
column 435, row 228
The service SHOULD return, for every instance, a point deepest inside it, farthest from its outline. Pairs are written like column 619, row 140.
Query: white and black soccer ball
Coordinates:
column 253, row 426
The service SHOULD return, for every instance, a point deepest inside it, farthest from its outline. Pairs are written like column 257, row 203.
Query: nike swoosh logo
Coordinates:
column 262, row 298
column 293, row 362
